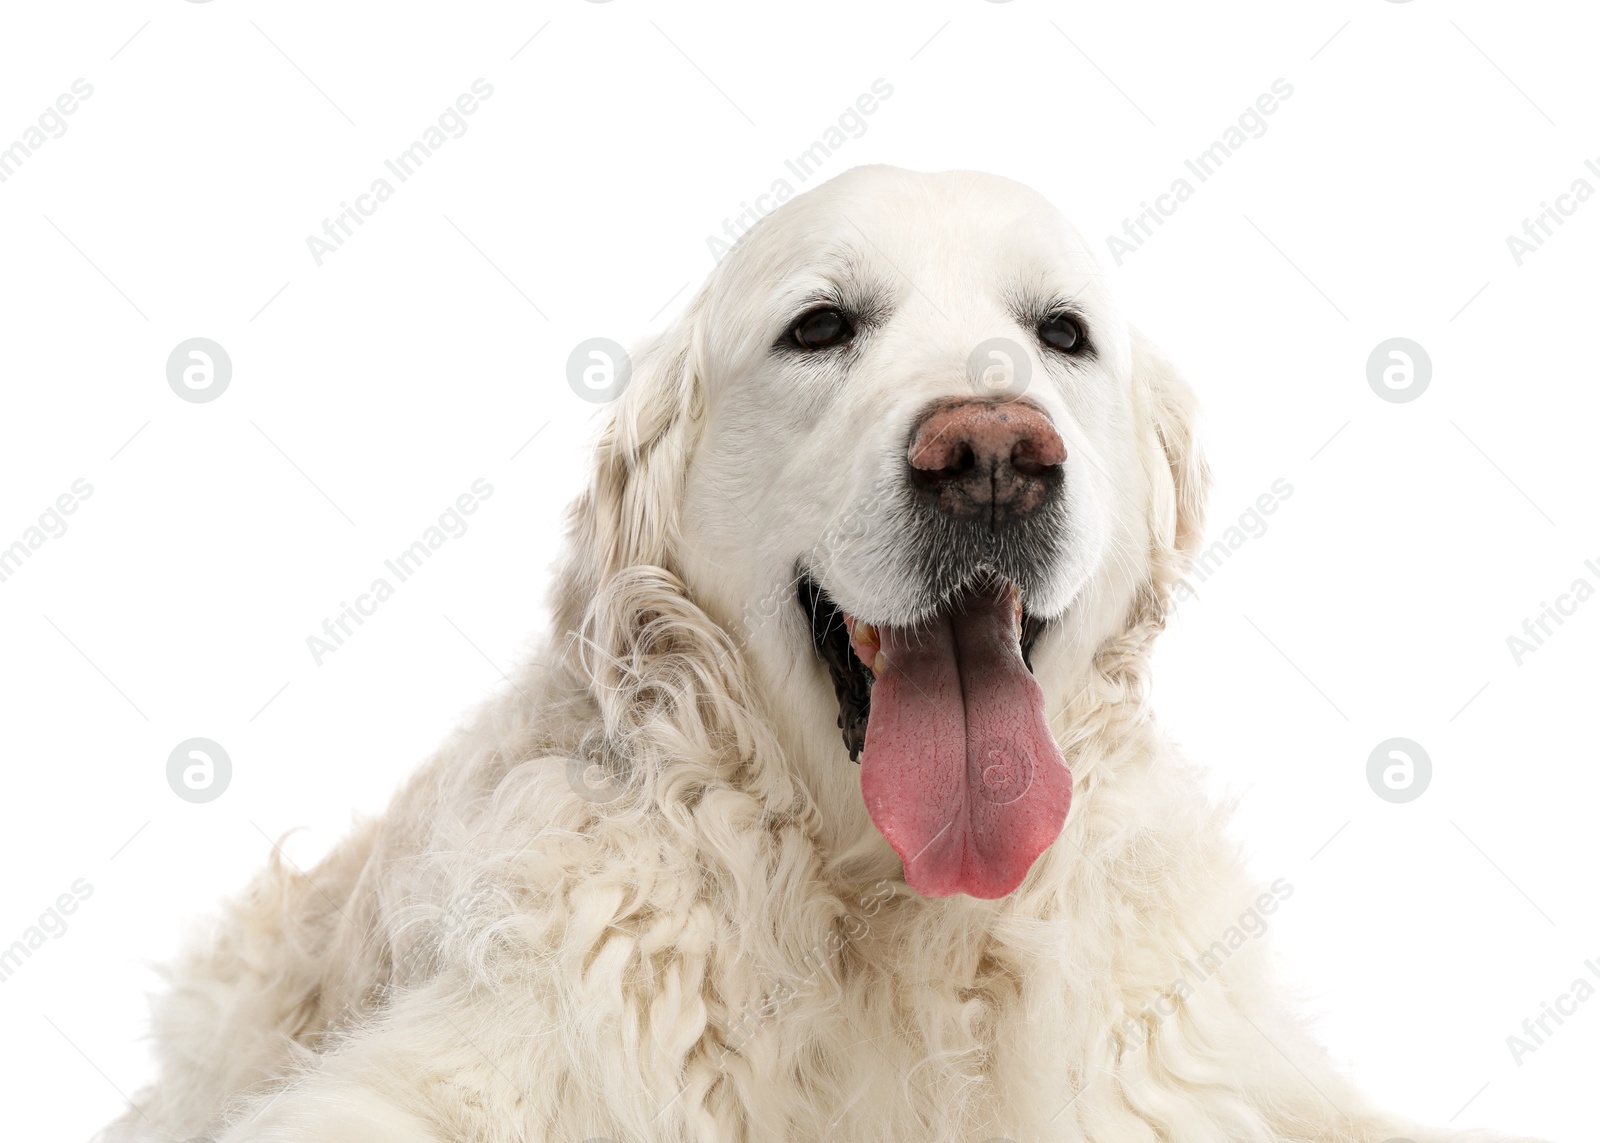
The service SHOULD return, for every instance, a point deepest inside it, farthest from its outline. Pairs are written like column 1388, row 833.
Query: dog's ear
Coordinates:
column 628, row 516
column 1179, row 477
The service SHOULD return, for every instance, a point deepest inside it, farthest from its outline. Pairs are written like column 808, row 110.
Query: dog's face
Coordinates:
column 845, row 403
column 927, row 467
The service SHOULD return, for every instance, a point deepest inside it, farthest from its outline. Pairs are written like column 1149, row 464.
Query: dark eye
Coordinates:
column 822, row 329
column 1063, row 332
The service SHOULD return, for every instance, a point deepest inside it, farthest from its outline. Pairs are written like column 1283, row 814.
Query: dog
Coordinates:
column 833, row 807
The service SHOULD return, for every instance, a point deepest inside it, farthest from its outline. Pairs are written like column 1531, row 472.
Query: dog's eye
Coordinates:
column 1063, row 332
column 822, row 329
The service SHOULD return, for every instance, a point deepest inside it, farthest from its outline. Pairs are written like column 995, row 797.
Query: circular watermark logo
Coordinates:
column 199, row 370
column 1399, row 770
column 1399, row 370
column 199, row 770
column 589, row 776
column 999, row 367
column 598, row 370
column 1006, row 777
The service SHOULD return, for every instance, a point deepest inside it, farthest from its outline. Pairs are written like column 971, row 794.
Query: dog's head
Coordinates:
column 906, row 451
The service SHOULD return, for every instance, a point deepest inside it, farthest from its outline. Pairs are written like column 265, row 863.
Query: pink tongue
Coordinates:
column 960, row 772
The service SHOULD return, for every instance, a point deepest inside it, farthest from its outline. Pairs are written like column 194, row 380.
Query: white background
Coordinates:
column 369, row 392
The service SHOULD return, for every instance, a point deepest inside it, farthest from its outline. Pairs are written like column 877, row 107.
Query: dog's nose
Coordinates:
column 978, row 457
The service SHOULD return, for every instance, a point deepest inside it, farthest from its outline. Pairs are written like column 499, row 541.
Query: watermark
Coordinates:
column 593, row 771
column 1537, row 629
column 199, row 370
column 199, row 770
column 451, row 124
column 1251, row 124
column 851, row 123
column 853, row 927
column 51, row 124
column 999, row 367
column 1551, row 217
column 451, row 524
column 851, row 523
column 1536, row 1030
column 1137, row 1029
column 442, row 925
column 1399, row 770
column 1250, row 525
column 1398, row 370
column 51, row 525
column 51, row 924
column 599, row 369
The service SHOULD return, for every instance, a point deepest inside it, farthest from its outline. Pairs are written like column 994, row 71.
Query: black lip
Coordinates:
column 852, row 679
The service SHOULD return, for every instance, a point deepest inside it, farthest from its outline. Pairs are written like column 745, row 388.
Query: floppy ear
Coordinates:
column 628, row 516
column 665, row 680
column 1179, row 478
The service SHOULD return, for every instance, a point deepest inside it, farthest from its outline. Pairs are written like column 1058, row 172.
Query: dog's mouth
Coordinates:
column 959, row 769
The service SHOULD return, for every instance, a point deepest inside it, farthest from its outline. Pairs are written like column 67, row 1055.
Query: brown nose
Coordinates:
column 978, row 457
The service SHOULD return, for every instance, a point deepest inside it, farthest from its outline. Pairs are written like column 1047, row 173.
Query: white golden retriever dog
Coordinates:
column 833, row 808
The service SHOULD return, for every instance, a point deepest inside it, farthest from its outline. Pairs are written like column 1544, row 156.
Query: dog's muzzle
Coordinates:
column 959, row 768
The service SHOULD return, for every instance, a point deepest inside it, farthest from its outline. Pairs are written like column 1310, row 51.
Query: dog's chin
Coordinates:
column 959, row 769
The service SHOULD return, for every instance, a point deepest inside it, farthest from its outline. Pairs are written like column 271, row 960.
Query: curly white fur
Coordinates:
column 637, row 897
